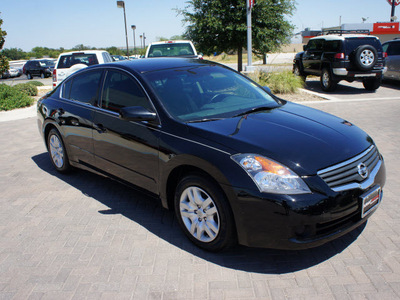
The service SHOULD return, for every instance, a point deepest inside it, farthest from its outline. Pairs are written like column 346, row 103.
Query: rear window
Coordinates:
column 67, row 61
column 355, row 42
column 171, row 49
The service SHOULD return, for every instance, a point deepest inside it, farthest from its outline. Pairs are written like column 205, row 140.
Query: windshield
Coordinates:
column 207, row 92
column 171, row 49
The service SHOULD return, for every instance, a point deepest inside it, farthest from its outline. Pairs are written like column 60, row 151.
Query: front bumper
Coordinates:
column 300, row 221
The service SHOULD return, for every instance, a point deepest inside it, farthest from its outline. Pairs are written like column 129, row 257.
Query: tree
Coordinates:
column 14, row 53
column 220, row 25
column 3, row 60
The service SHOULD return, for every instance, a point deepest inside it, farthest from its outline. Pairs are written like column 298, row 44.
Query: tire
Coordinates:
column 297, row 71
column 328, row 84
column 204, row 214
column 365, row 57
column 57, row 152
column 372, row 84
column 42, row 75
column 28, row 75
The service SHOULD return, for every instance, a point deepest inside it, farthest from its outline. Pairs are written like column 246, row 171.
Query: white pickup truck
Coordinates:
column 70, row 62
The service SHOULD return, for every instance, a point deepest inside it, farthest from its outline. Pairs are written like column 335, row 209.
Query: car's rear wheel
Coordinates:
column 57, row 152
column 328, row 84
column 204, row 213
column 372, row 84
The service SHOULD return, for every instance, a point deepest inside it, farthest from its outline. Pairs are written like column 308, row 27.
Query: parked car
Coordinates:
column 172, row 49
column 340, row 56
column 70, row 62
column 14, row 72
column 235, row 162
column 392, row 48
column 42, row 68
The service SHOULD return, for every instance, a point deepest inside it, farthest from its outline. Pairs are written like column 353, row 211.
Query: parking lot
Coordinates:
column 82, row 236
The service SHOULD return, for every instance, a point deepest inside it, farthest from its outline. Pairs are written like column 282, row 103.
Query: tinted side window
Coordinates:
column 83, row 87
column 393, row 49
column 332, row 46
column 315, row 45
column 120, row 90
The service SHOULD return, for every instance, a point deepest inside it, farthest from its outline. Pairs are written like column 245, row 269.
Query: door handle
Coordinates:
column 100, row 128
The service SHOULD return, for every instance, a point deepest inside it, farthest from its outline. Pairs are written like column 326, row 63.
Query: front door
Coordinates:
column 125, row 149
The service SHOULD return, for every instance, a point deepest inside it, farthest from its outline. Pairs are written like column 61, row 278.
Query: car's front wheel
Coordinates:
column 57, row 152
column 204, row 213
column 297, row 71
column 28, row 75
column 372, row 84
column 42, row 75
column 328, row 84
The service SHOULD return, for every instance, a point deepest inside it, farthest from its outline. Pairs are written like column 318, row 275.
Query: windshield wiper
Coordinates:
column 205, row 120
column 253, row 110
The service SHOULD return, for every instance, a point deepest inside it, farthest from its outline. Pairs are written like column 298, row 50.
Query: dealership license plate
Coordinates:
column 370, row 200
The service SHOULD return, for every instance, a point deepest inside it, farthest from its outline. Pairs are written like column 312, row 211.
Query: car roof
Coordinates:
column 83, row 52
column 342, row 37
column 171, row 42
column 156, row 64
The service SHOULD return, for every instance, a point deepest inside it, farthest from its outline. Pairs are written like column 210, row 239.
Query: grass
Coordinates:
column 280, row 82
column 12, row 97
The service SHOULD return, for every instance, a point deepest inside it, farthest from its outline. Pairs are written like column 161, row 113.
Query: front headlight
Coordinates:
column 270, row 176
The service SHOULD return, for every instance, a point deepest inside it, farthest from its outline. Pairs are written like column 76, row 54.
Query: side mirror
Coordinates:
column 136, row 113
column 305, row 47
column 267, row 89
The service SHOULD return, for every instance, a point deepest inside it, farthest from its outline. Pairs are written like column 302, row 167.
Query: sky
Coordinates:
column 100, row 23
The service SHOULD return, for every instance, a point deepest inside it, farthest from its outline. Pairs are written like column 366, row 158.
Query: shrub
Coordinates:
column 11, row 98
column 280, row 83
column 27, row 88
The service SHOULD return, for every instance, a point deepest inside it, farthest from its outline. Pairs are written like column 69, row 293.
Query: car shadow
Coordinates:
column 314, row 86
column 149, row 213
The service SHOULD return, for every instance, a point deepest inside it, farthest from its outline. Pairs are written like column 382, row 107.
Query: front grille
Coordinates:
column 346, row 173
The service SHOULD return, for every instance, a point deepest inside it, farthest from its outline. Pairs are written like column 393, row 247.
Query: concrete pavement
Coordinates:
column 82, row 236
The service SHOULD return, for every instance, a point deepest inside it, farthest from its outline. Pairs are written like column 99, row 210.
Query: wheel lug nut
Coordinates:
column 199, row 219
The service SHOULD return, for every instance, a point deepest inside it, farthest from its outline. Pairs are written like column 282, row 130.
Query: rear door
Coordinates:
column 80, row 94
column 126, row 149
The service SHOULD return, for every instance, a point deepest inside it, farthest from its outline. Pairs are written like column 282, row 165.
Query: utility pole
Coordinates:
column 249, row 6
column 392, row 19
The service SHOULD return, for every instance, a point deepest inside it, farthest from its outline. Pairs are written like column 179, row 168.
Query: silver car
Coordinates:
column 392, row 48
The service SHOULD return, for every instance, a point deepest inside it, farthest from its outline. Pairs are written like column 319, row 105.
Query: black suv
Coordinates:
column 342, row 56
column 39, row 67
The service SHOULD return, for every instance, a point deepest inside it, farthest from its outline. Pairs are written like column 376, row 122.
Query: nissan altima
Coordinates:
column 236, row 163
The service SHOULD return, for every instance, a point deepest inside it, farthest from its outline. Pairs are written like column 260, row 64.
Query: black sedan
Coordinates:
column 236, row 163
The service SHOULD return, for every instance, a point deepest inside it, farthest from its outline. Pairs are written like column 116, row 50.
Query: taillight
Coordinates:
column 339, row 55
column 385, row 55
column 54, row 75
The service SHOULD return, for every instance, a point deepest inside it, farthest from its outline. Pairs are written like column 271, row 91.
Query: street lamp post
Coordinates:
column 134, row 42
column 144, row 41
column 121, row 4
column 141, row 44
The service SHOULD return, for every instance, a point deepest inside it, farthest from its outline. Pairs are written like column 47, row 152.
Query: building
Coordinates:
column 386, row 31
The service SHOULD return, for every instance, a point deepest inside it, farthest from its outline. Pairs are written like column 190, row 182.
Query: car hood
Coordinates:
column 304, row 139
